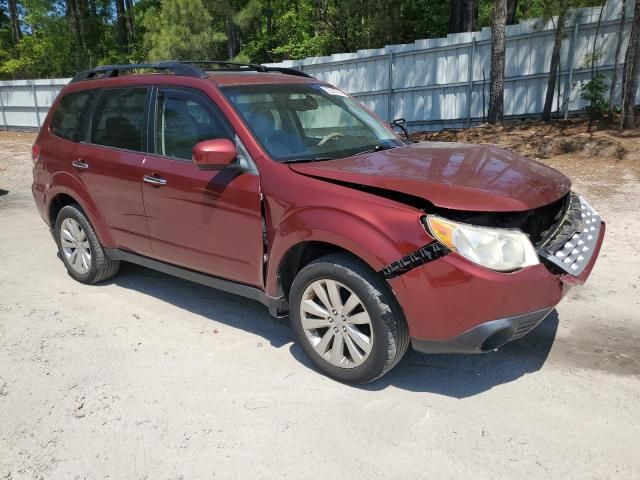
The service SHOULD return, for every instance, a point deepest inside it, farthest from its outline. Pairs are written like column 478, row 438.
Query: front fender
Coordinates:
column 64, row 183
column 356, row 234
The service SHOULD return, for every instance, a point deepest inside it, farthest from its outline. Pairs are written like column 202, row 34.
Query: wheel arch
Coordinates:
column 70, row 191
column 299, row 256
column 307, row 233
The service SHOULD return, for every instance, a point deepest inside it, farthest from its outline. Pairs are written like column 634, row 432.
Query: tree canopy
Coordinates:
column 54, row 38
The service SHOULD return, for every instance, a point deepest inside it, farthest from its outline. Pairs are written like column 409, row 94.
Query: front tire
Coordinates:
column 346, row 319
column 80, row 249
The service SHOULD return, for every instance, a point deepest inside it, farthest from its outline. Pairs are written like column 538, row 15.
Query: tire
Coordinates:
column 89, row 265
column 387, row 332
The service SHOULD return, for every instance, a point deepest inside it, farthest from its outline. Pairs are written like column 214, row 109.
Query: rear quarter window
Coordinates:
column 70, row 115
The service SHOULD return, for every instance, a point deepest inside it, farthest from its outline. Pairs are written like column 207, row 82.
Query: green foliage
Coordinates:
column 181, row 30
column 57, row 42
column 47, row 52
column 595, row 92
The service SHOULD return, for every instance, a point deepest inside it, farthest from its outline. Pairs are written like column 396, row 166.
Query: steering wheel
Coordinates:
column 330, row 136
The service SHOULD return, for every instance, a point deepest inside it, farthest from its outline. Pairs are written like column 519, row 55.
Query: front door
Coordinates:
column 208, row 221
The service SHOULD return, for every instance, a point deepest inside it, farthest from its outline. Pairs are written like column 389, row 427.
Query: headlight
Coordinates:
column 499, row 249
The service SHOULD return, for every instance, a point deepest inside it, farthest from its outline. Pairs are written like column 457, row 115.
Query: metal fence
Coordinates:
column 24, row 103
column 444, row 82
column 434, row 83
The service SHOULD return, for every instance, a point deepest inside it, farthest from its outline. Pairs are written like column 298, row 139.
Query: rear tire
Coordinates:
column 79, row 248
column 350, row 339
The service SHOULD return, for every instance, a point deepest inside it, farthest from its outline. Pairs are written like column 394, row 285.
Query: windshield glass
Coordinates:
column 308, row 122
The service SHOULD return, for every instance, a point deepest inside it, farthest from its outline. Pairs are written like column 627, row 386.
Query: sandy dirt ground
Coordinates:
column 151, row 377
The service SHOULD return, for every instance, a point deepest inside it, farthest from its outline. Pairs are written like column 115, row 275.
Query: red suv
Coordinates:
column 275, row 186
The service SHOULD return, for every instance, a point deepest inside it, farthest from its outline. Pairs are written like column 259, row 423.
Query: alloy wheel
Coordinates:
column 336, row 323
column 75, row 246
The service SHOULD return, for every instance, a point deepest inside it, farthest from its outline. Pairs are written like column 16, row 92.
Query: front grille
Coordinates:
column 571, row 245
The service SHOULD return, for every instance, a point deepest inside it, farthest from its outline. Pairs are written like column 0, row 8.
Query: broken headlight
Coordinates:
column 501, row 249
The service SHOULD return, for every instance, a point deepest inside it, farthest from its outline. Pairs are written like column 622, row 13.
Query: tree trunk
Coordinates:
column 455, row 12
column 463, row 16
column 469, row 15
column 74, row 25
column 594, row 61
column 15, row 22
column 498, row 48
column 123, row 41
column 555, row 62
column 631, row 71
column 233, row 37
column 614, row 75
column 129, row 20
column 512, row 7
column 269, row 20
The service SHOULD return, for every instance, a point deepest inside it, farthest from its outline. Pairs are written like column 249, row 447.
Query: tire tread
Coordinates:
column 391, row 313
column 105, row 267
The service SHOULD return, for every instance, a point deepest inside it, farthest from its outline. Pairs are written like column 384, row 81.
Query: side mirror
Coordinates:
column 217, row 154
column 401, row 124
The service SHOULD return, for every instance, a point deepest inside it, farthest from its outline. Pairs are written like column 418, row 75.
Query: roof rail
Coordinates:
column 108, row 71
column 239, row 67
column 182, row 68
column 288, row 71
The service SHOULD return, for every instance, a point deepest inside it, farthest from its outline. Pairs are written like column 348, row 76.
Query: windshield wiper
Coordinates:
column 377, row 148
column 308, row 160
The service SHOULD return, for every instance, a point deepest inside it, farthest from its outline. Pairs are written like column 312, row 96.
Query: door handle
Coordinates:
column 80, row 164
column 153, row 180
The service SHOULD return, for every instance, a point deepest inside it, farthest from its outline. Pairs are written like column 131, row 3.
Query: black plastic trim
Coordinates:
column 479, row 338
column 110, row 71
column 422, row 256
column 277, row 305
column 181, row 68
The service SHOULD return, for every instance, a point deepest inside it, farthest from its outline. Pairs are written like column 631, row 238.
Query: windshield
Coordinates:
column 308, row 122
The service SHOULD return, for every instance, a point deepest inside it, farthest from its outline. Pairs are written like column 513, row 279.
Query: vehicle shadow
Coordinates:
column 456, row 376
column 462, row 376
column 207, row 302
column 3, row 192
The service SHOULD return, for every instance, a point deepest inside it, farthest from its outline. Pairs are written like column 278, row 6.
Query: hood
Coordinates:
column 455, row 176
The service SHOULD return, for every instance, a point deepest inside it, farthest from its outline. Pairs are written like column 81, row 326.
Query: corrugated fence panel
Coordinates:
column 430, row 85
column 24, row 103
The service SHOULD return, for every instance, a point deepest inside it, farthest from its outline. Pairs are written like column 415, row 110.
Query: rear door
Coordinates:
column 208, row 221
column 109, row 163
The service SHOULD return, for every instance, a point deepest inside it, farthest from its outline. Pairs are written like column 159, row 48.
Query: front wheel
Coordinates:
column 346, row 319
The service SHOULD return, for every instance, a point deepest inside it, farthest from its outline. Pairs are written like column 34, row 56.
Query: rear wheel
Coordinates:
column 80, row 249
column 346, row 319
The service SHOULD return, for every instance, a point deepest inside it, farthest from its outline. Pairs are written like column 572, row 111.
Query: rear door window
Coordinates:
column 70, row 116
column 119, row 119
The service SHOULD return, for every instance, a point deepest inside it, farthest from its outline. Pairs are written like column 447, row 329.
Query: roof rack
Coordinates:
column 182, row 68
column 108, row 71
column 239, row 67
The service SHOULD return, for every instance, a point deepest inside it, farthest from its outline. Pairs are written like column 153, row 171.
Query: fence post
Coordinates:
column 4, row 116
column 390, row 89
column 470, row 77
column 35, row 103
column 567, row 83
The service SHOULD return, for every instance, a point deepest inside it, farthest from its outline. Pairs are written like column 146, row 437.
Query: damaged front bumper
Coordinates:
column 485, row 337
column 470, row 309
